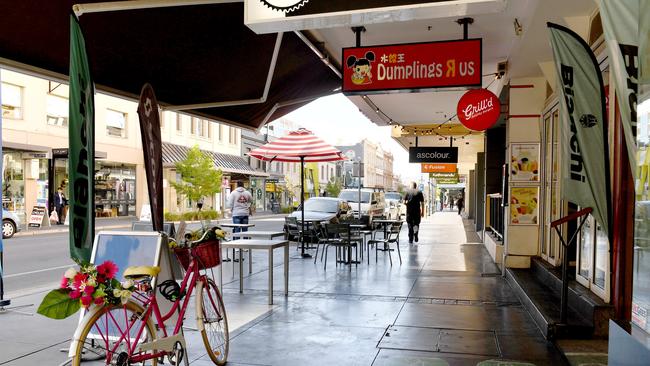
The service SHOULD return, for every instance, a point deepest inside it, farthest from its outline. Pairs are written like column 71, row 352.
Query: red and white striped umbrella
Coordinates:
column 296, row 146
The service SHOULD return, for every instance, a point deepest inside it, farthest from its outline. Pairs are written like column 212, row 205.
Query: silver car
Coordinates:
column 10, row 224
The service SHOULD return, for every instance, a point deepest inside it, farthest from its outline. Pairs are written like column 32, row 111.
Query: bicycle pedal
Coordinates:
column 166, row 344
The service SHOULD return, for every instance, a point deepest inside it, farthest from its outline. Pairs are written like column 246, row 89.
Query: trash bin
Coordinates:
column 275, row 207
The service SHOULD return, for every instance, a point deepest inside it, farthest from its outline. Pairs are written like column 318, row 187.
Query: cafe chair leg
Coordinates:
column 398, row 253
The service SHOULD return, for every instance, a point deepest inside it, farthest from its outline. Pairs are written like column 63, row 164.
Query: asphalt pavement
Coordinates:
column 36, row 263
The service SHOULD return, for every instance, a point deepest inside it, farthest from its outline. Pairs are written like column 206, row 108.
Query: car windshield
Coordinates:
column 353, row 196
column 330, row 206
column 393, row 196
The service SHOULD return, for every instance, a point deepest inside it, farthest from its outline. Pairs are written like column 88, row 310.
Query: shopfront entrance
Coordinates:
column 114, row 189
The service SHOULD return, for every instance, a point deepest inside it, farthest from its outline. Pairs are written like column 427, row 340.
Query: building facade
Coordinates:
column 35, row 149
column 377, row 166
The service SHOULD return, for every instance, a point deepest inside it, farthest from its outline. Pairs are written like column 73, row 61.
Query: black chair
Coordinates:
column 361, row 234
column 391, row 238
column 292, row 230
column 339, row 236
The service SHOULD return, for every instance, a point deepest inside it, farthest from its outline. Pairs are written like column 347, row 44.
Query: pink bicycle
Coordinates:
column 127, row 334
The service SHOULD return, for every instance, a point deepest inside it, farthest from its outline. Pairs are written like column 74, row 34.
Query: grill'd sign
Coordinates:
column 478, row 109
column 412, row 67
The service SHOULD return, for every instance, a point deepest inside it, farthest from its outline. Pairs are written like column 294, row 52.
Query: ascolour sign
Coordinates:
column 433, row 155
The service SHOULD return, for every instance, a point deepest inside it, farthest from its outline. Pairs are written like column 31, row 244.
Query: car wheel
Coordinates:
column 8, row 229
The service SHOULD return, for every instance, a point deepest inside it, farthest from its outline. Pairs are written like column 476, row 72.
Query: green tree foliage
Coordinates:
column 334, row 187
column 199, row 177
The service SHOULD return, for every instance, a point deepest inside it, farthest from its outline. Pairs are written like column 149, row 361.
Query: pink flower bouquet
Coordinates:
column 90, row 285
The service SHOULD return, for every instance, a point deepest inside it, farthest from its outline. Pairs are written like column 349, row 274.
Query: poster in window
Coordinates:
column 524, row 205
column 524, row 163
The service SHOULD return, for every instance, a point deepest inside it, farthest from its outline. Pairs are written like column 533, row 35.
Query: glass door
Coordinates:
column 593, row 259
column 550, row 243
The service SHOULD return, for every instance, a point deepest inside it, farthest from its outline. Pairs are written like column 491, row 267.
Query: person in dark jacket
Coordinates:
column 414, row 201
column 59, row 203
column 460, row 203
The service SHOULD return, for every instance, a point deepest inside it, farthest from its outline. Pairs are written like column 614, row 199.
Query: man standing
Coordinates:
column 414, row 211
column 59, row 204
column 239, row 203
column 460, row 203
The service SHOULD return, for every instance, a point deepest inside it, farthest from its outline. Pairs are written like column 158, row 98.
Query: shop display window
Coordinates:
column 114, row 190
column 13, row 182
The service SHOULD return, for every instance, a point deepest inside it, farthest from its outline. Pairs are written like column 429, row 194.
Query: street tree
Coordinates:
column 334, row 187
column 199, row 177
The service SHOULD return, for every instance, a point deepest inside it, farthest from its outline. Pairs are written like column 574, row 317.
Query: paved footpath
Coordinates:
column 444, row 305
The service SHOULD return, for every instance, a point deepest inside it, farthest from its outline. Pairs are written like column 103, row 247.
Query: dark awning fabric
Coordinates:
column 190, row 54
column 227, row 163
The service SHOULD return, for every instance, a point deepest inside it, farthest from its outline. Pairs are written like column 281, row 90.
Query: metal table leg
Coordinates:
column 286, row 270
column 250, row 261
column 270, row 276
column 241, row 272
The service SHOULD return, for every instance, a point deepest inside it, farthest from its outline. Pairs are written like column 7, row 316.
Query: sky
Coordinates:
column 338, row 121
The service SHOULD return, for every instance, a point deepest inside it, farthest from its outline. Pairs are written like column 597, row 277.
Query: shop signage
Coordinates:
column 272, row 16
column 60, row 153
column 439, row 168
column 36, row 218
column 36, row 155
column 443, row 175
column 412, row 67
column 478, row 109
column 433, row 155
column 447, row 181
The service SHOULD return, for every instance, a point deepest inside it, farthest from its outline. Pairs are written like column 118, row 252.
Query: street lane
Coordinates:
column 36, row 263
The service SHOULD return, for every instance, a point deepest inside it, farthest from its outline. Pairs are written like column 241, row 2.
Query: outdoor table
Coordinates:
column 258, row 235
column 268, row 245
column 233, row 226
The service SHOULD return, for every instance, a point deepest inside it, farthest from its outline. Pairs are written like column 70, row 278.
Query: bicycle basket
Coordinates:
column 207, row 254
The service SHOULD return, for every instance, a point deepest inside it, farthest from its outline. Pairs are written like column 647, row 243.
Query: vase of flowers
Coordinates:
column 88, row 286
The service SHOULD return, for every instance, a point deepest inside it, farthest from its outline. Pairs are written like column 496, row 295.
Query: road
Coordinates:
column 36, row 263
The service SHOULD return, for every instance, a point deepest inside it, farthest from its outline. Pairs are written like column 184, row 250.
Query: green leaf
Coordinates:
column 57, row 304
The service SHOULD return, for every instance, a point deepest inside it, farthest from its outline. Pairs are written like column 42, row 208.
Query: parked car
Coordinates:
column 10, row 224
column 395, row 207
column 324, row 208
column 373, row 203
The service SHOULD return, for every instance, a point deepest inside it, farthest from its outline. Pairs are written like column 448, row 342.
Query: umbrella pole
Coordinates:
column 302, row 207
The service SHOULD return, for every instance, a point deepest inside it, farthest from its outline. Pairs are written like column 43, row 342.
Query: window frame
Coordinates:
column 21, row 107
column 125, row 134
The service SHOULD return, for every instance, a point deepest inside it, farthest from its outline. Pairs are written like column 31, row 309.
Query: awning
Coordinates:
column 227, row 163
column 190, row 54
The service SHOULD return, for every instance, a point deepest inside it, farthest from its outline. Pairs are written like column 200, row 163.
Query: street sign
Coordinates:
column 439, row 168
column 412, row 67
column 434, row 154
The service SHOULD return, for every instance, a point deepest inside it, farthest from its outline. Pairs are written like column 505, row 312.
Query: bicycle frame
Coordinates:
column 150, row 305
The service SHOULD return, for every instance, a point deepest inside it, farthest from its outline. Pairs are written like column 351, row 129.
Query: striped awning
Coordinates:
column 296, row 145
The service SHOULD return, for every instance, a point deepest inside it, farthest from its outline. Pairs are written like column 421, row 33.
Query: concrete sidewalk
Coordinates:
column 443, row 305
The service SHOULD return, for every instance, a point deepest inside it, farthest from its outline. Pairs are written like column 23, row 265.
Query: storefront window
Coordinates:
column 114, row 189
column 641, row 289
column 13, row 182
column 57, row 110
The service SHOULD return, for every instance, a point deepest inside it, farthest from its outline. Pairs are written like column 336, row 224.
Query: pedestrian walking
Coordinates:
column 414, row 201
column 460, row 204
column 239, row 203
column 59, row 203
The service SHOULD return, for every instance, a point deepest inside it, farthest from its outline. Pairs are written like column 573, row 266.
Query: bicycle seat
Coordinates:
column 141, row 271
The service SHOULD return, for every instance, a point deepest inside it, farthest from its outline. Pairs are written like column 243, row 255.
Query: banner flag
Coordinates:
column 152, row 147
column 621, row 27
column 81, row 157
column 644, row 42
column 584, row 126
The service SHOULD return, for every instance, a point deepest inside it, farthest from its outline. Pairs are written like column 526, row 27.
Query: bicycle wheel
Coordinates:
column 102, row 342
column 211, row 320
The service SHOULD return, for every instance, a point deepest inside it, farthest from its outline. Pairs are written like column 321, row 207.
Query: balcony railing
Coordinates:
column 494, row 214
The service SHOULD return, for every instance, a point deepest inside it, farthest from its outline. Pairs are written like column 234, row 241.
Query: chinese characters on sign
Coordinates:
column 412, row 66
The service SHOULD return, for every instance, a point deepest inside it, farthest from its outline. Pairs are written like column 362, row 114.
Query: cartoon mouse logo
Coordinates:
column 362, row 70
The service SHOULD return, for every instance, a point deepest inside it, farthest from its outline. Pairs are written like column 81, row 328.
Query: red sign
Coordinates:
column 412, row 66
column 478, row 109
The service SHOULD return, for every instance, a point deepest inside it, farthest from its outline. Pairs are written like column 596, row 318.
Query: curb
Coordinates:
column 62, row 230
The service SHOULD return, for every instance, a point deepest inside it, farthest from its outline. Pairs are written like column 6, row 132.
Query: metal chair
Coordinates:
column 339, row 236
column 292, row 230
column 392, row 238
column 361, row 234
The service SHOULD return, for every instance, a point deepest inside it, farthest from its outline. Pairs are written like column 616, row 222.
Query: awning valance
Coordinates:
column 227, row 163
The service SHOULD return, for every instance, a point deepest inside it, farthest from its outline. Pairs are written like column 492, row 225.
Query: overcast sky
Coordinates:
column 338, row 121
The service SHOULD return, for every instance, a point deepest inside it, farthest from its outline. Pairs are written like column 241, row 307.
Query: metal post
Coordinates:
column 564, row 297
column 302, row 208
column 359, row 187
column 3, row 302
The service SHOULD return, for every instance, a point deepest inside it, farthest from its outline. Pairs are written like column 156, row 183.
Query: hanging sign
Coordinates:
column 443, row 175
column 412, row 67
column 434, row 154
column 478, row 109
column 439, row 168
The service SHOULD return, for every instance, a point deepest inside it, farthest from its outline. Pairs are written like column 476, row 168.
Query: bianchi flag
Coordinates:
column 621, row 27
column 152, row 146
column 81, row 158
column 584, row 127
